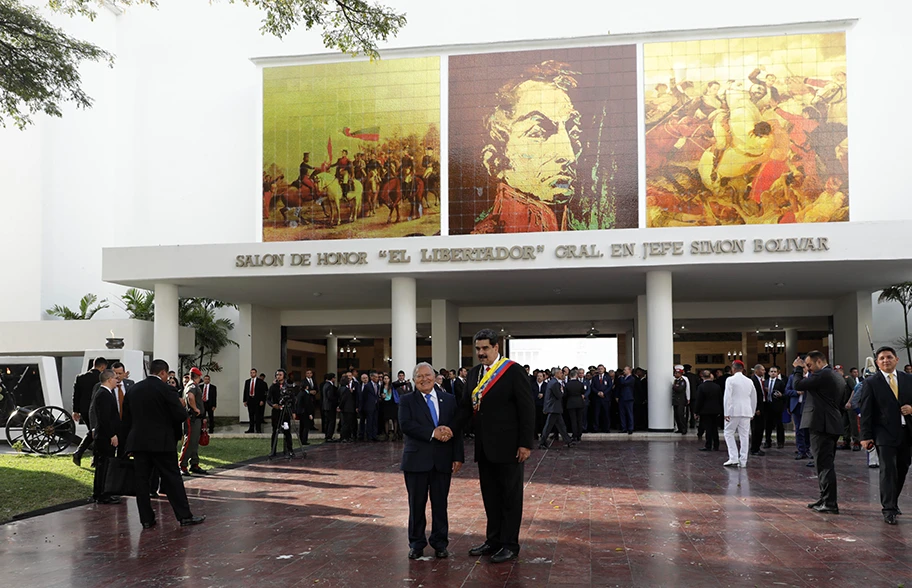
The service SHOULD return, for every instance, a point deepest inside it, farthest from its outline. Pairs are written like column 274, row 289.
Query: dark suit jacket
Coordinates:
column 83, row 389
column 604, row 386
column 213, row 395
column 554, row 397
column 104, row 414
column 823, row 392
column 421, row 453
column 506, row 419
column 459, row 388
column 536, row 390
column 330, row 396
column 151, row 411
column 708, row 398
column 624, row 387
column 260, row 391
column 346, row 400
column 758, row 391
column 881, row 418
column 574, row 390
column 369, row 398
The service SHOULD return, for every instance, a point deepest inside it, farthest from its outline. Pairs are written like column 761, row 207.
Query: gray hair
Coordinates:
column 106, row 375
column 422, row 364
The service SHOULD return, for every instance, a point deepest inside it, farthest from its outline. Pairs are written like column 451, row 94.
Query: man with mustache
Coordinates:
column 533, row 149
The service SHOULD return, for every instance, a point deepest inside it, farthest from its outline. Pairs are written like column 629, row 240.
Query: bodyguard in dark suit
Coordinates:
column 330, row 400
column 504, row 417
column 304, row 409
column 773, row 406
column 432, row 454
column 758, row 423
column 575, row 404
column 539, row 386
column 370, row 402
column 600, row 397
column 105, row 416
column 886, row 406
column 624, row 389
column 254, row 394
column 347, row 410
column 708, row 404
column 83, row 389
column 823, row 389
column 210, row 401
column 554, row 411
column 151, row 415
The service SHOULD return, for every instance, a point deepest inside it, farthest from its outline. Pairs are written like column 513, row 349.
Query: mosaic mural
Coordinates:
column 745, row 131
column 543, row 140
column 351, row 150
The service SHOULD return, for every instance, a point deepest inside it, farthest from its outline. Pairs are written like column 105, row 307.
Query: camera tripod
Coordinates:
column 284, row 419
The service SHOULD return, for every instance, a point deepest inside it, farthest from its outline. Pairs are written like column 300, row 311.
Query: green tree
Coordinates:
column 139, row 304
column 39, row 63
column 901, row 293
column 87, row 309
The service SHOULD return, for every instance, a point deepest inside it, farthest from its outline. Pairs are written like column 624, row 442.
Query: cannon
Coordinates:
column 46, row 430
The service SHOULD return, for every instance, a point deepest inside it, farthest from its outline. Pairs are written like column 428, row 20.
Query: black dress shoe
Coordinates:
column 703, row 449
column 543, row 447
column 898, row 512
column 824, row 509
column 108, row 500
column 767, row 445
column 441, row 553
column 415, row 553
column 890, row 519
column 247, row 432
column 148, row 525
column 154, row 495
column 483, row 549
column 199, row 471
column 185, row 473
column 77, row 459
column 192, row 521
column 758, row 453
column 503, row 555
column 815, row 504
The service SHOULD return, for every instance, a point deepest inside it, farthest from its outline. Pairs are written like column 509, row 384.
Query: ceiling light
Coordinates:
column 592, row 333
column 330, row 333
column 355, row 340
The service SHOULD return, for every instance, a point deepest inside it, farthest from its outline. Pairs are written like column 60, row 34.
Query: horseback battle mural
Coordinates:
column 351, row 150
column 543, row 140
column 746, row 131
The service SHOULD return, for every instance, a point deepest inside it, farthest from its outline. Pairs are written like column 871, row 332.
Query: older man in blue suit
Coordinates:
column 432, row 454
column 796, row 407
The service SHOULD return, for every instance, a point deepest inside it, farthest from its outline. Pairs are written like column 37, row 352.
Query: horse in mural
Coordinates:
column 372, row 185
column 293, row 199
column 329, row 185
column 395, row 190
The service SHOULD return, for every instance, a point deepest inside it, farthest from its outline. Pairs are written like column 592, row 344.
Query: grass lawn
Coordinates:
column 31, row 482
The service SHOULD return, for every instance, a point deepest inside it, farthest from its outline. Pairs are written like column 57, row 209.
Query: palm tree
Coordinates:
column 901, row 293
column 139, row 304
column 86, row 309
column 211, row 332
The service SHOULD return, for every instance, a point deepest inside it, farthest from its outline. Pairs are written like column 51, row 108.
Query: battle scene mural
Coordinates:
column 543, row 140
column 745, row 131
column 351, row 150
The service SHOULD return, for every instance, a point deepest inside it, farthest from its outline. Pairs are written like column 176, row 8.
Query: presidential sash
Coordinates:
column 490, row 378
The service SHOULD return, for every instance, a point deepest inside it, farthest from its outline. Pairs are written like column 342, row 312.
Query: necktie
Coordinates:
column 120, row 400
column 433, row 410
column 206, row 393
column 252, row 384
column 893, row 386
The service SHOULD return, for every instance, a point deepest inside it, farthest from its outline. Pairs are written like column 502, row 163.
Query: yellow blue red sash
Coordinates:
column 490, row 378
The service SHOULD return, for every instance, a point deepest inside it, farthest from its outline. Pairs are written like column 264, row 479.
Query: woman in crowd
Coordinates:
column 389, row 409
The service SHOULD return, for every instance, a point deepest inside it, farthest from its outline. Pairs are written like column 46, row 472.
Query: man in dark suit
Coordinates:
column 83, row 388
column 796, row 407
column 121, row 387
column 503, row 415
column 152, row 415
column 554, row 410
column 539, row 386
column 347, row 411
column 105, row 416
column 600, row 396
column 254, row 395
column 708, row 404
column 576, row 403
column 370, row 402
column 823, row 389
column 886, row 406
column 329, row 406
column 773, row 405
column 758, row 423
column 432, row 454
column 304, row 409
column 624, row 389
column 210, row 401
column 309, row 383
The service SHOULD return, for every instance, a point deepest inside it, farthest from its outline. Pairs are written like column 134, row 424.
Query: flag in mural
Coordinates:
column 368, row 134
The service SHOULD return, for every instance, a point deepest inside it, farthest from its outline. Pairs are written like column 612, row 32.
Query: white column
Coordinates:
column 641, row 354
column 332, row 354
column 444, row 334
column 791, row 347
column 660, row 349
column 850, row 340
column 405, row 322
column 165, row 329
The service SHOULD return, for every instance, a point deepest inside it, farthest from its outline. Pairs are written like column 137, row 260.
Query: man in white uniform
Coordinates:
column 739, row 405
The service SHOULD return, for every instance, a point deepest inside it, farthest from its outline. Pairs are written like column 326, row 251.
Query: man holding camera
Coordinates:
column 281, row 400
column 189, row 457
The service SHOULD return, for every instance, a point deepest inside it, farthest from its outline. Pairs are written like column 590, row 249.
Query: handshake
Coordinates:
column 442, row 433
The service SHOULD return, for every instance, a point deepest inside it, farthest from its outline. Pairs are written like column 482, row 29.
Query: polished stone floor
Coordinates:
column 622, row 512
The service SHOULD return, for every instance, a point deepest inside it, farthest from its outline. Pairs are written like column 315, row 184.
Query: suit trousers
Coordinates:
column 210, row 416
column 739, row 426
column 539, row 419
column 145, row 462
column 802, row 438
column 328, row 418
column 602, row 413
column 576, row 422
column 349, row 425
column 103, row 452
column 626, row 407
column 823, row 448
column 502, row 493
column 555, row 419
column 304, row 428
column 894, row 465
column 758, row 426
column 190, row 452
column 850, row 426
column 87, row 440
column 680, row 418
column 419, row 485
column 253, row 413
column 370, row 424
column 710, row 423
column 774, row 421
